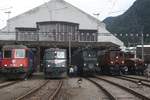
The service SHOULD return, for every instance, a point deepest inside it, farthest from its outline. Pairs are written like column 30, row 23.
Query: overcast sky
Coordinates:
column 106, row 8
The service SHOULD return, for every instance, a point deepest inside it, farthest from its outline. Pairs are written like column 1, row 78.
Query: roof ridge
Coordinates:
column 83, row 12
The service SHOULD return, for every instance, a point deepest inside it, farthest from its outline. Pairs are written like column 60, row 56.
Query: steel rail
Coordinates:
column 125, row 88
column 136, row 78
column 133, row 81
column 8, row 84
column 51, row 96
column 109, row 95
column 32, row 91
column 56, row 91
column 4, row 81
column 1, row 82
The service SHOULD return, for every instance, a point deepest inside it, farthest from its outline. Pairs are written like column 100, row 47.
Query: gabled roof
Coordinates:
column 56, row 10
column 47, row 4
column 60, row 10
column 14, row 47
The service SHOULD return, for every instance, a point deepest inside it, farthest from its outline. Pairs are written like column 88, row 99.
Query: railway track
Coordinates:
column 6, row 84
column 1, row 82
column 134, row 80
column 107, row 93
column 33, row 94
column 55, row 93
column 136, row 94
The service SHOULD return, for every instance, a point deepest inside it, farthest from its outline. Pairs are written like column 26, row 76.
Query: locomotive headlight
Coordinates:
column 135, row 64
column 122, row 62
column 5, row 65
column 112, row 62
column 97, row 64
column 84, row 64
column 117, row 57
column 63, row 65
column 48, row 66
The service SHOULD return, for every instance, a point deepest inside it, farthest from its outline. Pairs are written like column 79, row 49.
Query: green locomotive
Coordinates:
column 55, row 63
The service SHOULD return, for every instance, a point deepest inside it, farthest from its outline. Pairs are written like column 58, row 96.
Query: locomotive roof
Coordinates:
column 14, row 47
column 135, row 59
column 55, row 49
column 143, row 46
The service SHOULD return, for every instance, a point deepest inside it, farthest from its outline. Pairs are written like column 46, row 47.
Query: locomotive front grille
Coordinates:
column 12, row 70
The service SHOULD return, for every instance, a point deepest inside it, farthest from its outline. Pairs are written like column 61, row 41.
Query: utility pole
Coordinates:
column 8, row 13
column 142, row 43
column 135, row 56
column 69, row 36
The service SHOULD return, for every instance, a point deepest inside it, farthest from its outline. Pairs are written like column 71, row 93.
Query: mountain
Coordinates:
column 132, row 23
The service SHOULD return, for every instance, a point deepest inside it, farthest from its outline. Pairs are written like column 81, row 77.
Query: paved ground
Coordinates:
column 71, row 89
column 87, row 91
column 44, row 92
column 14, row 91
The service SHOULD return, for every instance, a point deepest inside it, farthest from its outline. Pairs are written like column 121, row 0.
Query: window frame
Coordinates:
column 15, row 53
column 4, row 54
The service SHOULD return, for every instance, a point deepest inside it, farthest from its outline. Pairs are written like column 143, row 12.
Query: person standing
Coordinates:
column 71, row 71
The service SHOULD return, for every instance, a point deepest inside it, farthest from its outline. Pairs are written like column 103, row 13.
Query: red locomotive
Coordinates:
column 17, row 61
column 135, row 66
column 111, row 61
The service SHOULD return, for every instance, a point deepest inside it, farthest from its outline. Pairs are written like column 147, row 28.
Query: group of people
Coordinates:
column 73, row 71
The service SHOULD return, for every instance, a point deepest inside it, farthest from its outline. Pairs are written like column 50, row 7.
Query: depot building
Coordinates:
column 55, row 21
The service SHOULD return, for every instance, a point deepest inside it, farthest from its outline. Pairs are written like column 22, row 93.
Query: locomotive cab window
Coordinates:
column 7, row 54
column 49, row 55
column 20, row 53
column 55, row 55
column 89, row 54
column 60, row 54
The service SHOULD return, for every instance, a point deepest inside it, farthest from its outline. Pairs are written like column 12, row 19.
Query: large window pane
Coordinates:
column 19, row 53
column 7, row 54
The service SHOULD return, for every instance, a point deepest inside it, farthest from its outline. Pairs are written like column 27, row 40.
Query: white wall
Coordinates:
column 56, row 10
column 109, row 38
column 59, row 10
